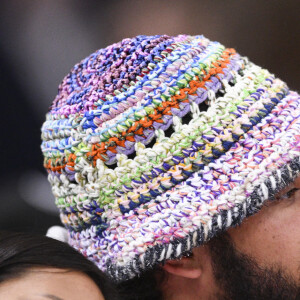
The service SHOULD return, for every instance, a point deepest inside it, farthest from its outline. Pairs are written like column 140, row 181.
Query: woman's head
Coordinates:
column 38, row 267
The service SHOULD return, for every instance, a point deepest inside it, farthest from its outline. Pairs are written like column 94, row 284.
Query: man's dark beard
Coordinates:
column 240, row 277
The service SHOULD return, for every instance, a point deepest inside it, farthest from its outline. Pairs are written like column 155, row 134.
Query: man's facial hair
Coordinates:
column 240, row 277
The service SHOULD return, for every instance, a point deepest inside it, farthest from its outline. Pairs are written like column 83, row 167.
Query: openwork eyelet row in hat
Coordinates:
column 155, row 144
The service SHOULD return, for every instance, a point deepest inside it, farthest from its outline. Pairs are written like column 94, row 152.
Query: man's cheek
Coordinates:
column 263, row 236
column 272, row 236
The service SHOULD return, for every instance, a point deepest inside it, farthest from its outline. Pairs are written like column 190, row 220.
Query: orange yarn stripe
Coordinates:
column 99, row 150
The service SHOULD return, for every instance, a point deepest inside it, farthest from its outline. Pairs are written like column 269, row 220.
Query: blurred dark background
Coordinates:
column 42, row 39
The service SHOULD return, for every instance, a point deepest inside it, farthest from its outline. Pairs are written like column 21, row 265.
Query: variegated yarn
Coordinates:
column 155, row 144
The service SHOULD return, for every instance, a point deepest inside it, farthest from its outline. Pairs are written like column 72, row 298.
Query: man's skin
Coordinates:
column 271, row 237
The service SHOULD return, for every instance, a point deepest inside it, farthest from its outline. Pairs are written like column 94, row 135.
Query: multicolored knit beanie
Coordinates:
column 155, row 144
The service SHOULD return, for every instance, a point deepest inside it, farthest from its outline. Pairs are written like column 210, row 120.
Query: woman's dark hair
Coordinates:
column 144, row 287
column 20, row 252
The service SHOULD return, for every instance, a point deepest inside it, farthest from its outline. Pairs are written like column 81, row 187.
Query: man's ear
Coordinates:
column 184, row 267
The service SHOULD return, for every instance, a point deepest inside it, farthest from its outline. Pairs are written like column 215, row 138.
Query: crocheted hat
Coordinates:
column 155, row 144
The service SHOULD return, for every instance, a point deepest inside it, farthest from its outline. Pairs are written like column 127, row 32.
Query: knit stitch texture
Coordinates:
column 155, row 144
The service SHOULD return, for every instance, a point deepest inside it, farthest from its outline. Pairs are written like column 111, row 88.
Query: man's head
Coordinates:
column 260, row 259
column 156, row 145
column 257, row 260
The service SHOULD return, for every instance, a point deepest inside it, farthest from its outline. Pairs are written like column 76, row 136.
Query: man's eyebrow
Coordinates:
column 52, row 297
